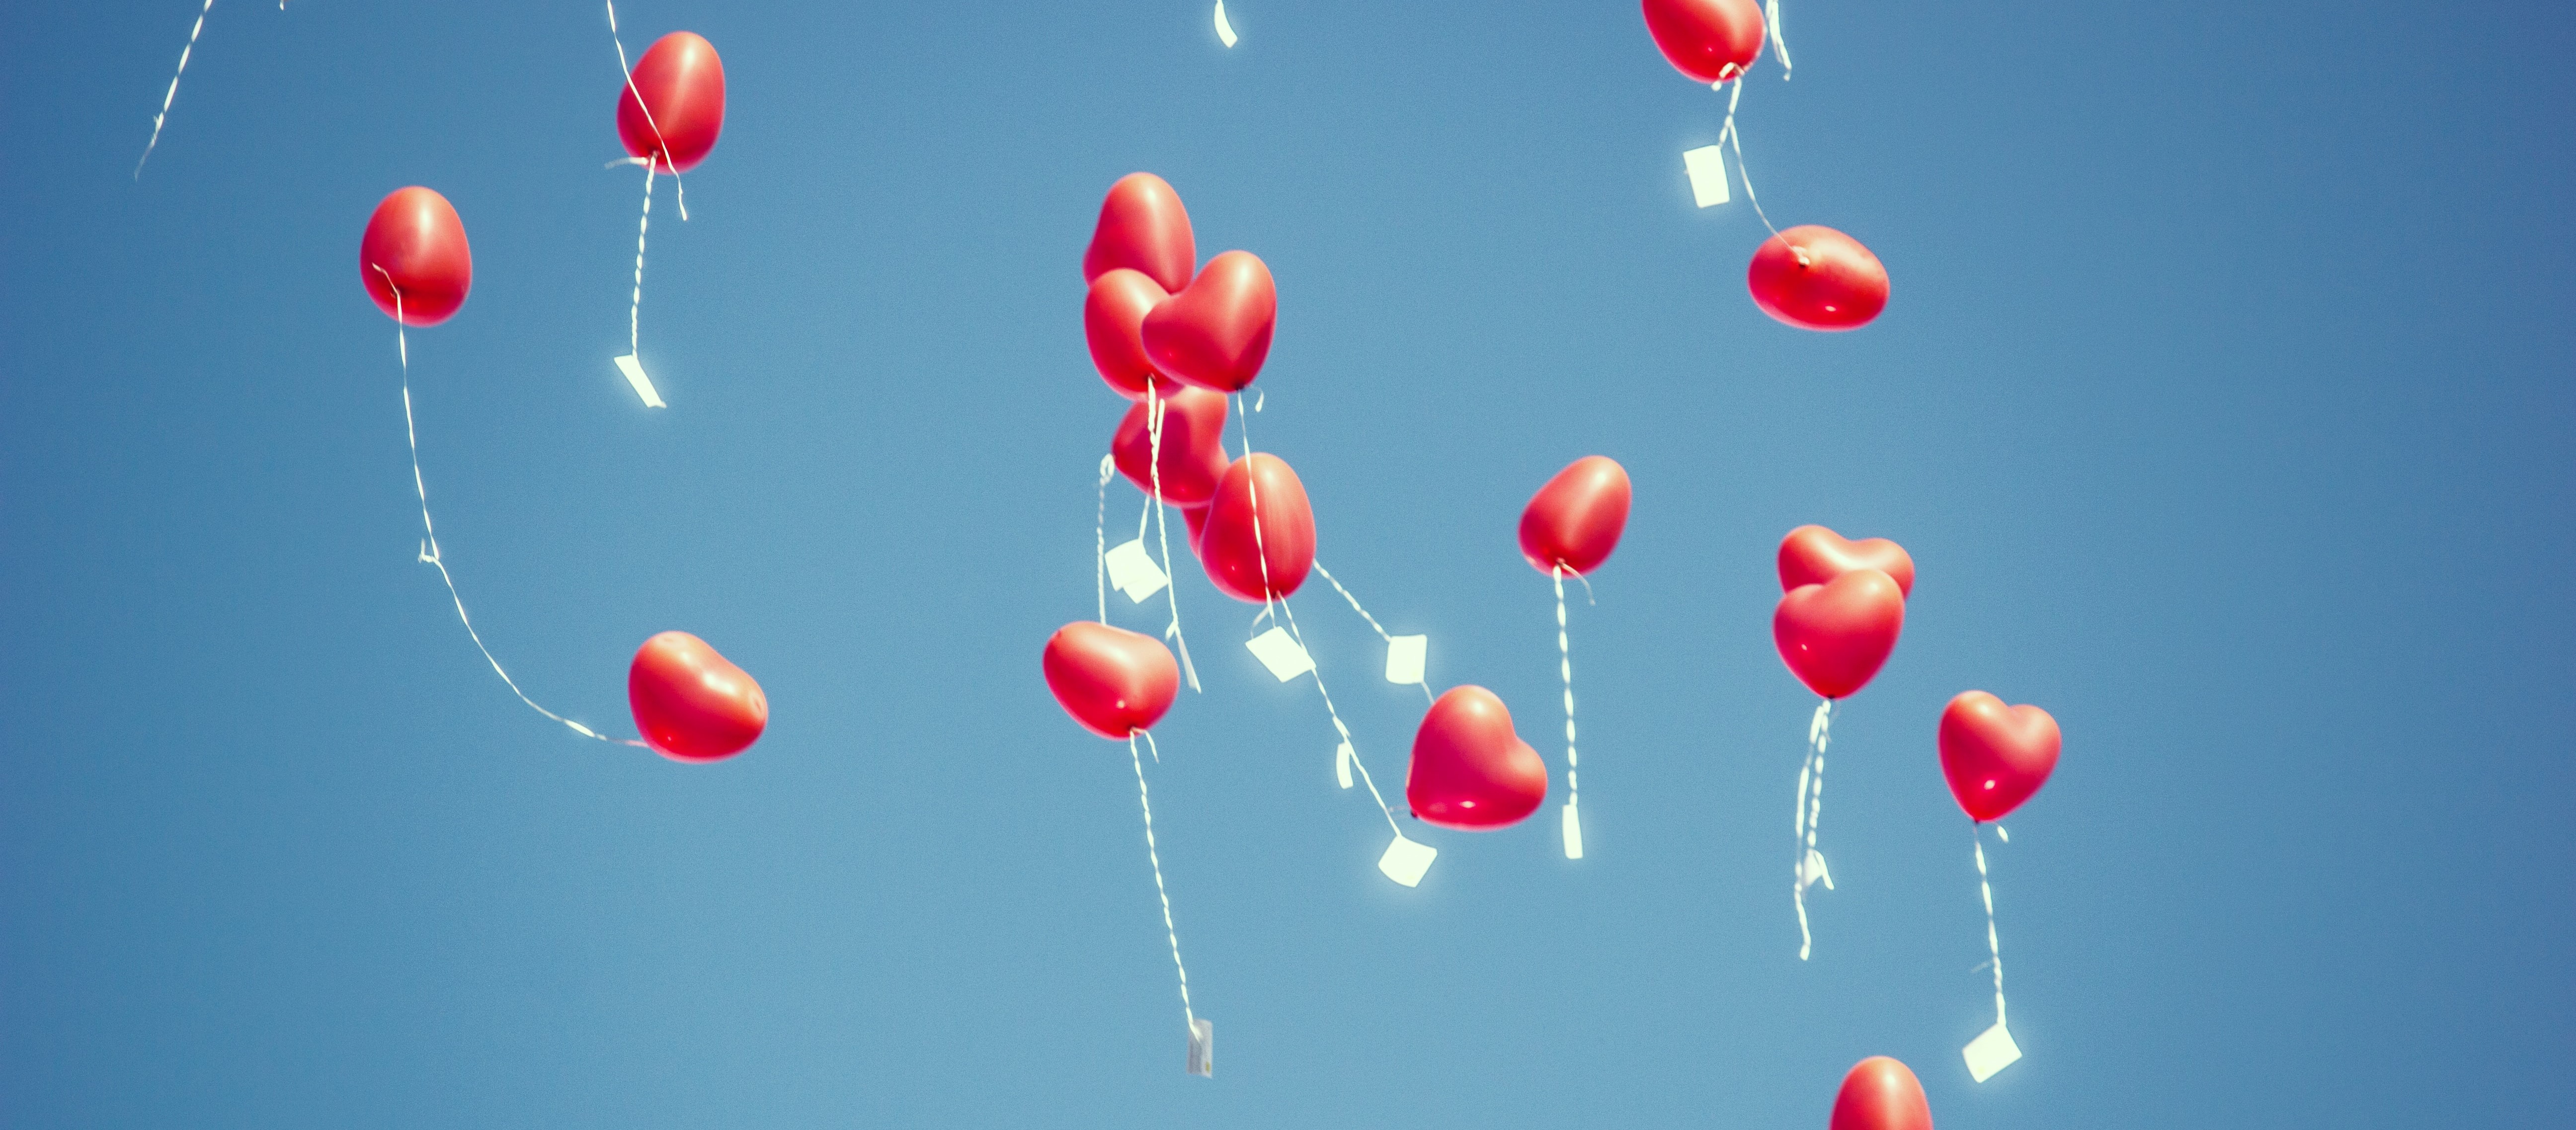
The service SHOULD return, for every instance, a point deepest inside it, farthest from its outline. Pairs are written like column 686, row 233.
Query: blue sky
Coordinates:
column 2223, row 402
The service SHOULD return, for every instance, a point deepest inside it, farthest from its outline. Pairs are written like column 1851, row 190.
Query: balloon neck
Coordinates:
column 1804, row 260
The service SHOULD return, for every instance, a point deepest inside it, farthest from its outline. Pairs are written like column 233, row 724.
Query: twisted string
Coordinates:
column 1145, row 801
column 173, row 93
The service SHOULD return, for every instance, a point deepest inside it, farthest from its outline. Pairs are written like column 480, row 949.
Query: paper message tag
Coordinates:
column 1405, row 860
column 1404, row 656
column 1707, row 174
column 634, row 371
column 1278, row 651
column 1224, row 30
column 1132, row 571
column 1203, row 1048
column 1991, row 1052
column 1342, row 764
column 1573, row 833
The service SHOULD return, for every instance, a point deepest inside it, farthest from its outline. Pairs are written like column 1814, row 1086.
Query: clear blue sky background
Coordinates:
column 2224, row 401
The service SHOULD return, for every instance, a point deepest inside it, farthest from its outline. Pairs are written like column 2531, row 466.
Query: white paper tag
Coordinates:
column 1278, row 651
column 1990, row 1053
column 1342, row 764
column 1405, row 860
column 1707, row 174
column 634, row 371
column 1404, row 656
column 1811, row 871
column 1573, row 833
column 1203, row 1048
column 1132, row 571
column 1224, row 30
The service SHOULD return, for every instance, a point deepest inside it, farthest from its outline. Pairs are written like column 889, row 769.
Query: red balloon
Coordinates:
column 1816, row 278
column 1709, row 40
column 1215, row 333
column 1143, row 228
column 1193, row 448
column 1195, row 517
column 1470, row 771
column 1881, row 1094
column 1113, row 681
column 1995, row 756
column 1813, row 555
column 416, row 244
column 692, row 704
column 1113, row 321
column 683, row 86
column 1835, row 636
column 1286, row 543
column 1576, row 519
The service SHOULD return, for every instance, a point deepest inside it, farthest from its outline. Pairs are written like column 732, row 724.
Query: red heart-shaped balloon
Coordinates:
column 1816, row 278
column 1881, row 1094
column 1142, row 228
column 1246, row 563
column 683, row 85
column 1835, row 636
column 692, row 704
column 1113, row 322
column 1470, row 771
column 415, row 243
column 1193, row 445
column 1576, row 519
column 1216, row 332
column 1708, row 40
column 1814, row 555
column 1113, row 681
column 1995, row 756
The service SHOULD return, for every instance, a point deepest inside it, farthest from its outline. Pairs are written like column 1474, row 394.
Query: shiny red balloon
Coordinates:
column 1113, row 322
column 1113, row 681
column 1215, row 333
column 1245, row 566
column 1995, row 756
column 1816, row 278
column 1709, row 40
column 1193, row 446
column 1881, row 1094
column 683, row 86
column 1813, row 555
column 1835, row 636
column 1470, row 771
column 416, row 244
column 1576, row 519
column 1143, row 228
column 692, row 704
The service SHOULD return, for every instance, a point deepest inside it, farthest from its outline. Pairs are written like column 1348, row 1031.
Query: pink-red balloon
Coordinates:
column 1113, row 681
column 1835, row 636
column 1470, row 771
column 683, row 86
column 1881, row 1094
column 416, row 244
column 1193, row 449
column 1215, row 333
column 1995, row 756
column 1271, row 562
column 1709, row 40
column 1143, row 228
column 1576, row 519
column 1814, row 555
column 1816, row 278
column 692, row 704
column 1113, row 322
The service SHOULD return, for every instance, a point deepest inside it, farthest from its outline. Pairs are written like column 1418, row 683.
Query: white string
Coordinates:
column 1994, row 948
column 429, row 551
column 173, row 94
column 1146, row 802
column 1728, row 135
column 1811, row 807
column 1425, row 684
column 1565, row 669
column 1100, row 536
column 1162, row 531
column 635, row 309
column 1779, row 43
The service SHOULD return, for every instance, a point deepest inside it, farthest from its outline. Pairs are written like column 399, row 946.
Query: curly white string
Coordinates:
column 1145, row 801
column 173, row 93
column 1994, row 948
column 1810, row 866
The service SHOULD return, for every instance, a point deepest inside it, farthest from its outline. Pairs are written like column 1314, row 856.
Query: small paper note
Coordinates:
column 1405, row 860
column 1342, row 764
column 1224, row 30
column 1278, row 651
column 1404, row 655
column 1707, row 174
column 1811, row 871
column 1203, row 1048
column 1573, row 833
column 634, row 371
column 1990, row 1053
column 1132, row 570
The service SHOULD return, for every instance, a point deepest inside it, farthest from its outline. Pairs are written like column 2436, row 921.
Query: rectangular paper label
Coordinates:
column 1573, row 833
column 1707, row 174
column 1203, row 1048
column 1990, row 1053
column 1405, row 860
column 634, row 371
column 1132, row 571
column 1342, row 764
column 1404, row 655
column 1278, row 651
